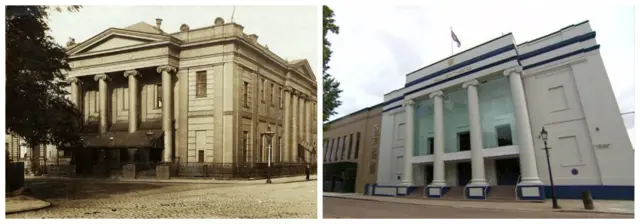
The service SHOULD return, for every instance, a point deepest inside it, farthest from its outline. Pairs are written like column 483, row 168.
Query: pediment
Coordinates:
column 113, row 39
column 303, row 67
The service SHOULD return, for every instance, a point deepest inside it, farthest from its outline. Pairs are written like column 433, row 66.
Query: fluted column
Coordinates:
column 75, row 92
column 438, row 140
column 477, row 157
column 167, row 115
column 133, row 75
column 102, row 88
column 528, row 168
column 407, row 178
column 308, row 126
column 287, row 125
column 294, row 127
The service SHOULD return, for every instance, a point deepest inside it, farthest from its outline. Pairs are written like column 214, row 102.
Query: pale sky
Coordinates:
column 290, row 31
column 377, row 47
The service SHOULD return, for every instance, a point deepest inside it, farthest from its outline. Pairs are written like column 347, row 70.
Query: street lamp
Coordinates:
column 269, row 134
column 543, row 135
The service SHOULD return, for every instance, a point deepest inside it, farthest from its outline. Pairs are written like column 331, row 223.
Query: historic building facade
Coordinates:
column 350, row 150
column 468, row 126
column 201, row 95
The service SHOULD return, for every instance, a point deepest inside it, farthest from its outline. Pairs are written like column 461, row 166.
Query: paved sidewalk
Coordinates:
column 567, row 205
column 184, row 180
column 23, row 203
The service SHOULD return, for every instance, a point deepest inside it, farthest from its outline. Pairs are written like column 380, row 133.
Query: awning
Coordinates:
column 124, row 139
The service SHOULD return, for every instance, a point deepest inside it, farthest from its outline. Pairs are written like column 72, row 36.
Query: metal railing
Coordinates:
column 464, row 190
column 516, row 190
column 487, row 188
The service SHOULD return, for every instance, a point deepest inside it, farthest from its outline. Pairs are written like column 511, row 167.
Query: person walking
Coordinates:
column 306, row 171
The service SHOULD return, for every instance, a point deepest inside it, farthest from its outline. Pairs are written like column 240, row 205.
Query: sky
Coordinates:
column 377, row 47
column 289, row 38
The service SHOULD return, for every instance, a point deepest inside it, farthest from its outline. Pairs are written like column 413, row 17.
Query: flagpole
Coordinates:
column 450, row 32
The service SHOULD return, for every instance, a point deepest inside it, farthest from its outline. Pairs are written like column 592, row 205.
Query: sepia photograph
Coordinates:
column 161, row 111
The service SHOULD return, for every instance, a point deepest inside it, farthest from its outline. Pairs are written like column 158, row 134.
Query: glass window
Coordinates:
column 464, row 141
column 273, row 88
column 246, row 94
column 503, row 134
column 357, row 144
column 201, row 156
column 158, row 96
column 431, row 145
column 335, row 156
column 344, row 144
column 331, row 151
column 201, row 84
column 262, row 90
column 350, row 144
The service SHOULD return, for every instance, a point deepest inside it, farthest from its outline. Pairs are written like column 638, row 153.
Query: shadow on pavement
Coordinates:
column 81, row 189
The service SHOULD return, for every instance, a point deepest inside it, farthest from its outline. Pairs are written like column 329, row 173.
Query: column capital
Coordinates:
column 435, row 94
column 409, row 103
column 287, row 89
column 74, row 80
column 473, row 82
column 104, row 77
column 133, row 73
column 166, row 68
column 514, row 69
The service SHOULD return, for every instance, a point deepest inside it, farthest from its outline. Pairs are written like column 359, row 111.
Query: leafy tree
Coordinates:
column 331, row 87
column 37, row 106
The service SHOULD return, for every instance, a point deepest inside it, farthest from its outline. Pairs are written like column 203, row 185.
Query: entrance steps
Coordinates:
column 502, row 193
column 456, row 193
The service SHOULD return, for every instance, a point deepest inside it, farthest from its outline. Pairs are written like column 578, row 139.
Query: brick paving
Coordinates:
column 78, row 198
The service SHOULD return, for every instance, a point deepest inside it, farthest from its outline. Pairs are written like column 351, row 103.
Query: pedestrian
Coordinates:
column 306, row 171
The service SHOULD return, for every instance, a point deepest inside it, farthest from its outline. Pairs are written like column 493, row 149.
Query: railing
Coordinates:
column 516, row 190
column 464, row 190
column 242, row 171
column 487, row 188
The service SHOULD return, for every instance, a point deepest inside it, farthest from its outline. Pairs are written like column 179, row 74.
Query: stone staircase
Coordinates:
column 416, row 193
column 454, row 193
column 502, row 193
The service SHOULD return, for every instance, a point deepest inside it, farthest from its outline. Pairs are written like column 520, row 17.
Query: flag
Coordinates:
column 455, row 38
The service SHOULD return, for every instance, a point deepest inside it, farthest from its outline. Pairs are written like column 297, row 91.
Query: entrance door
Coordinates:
column 507, row 171
column 464, row 173
column 428, row 174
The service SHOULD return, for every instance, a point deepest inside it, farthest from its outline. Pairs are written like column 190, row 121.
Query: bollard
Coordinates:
column 587, row 200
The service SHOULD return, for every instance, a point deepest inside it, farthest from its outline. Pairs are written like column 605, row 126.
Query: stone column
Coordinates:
column 287, row 125
column 528, row 168
column 407, row 178
column 294, row 127
column 133, row 75
column 102, row 87
column 477, row 158
column 309, row 126
column 167, row 115
column 75, row 91
column 438, row 140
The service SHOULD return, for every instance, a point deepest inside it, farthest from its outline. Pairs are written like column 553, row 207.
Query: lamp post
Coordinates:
column 543, row 135
column 269, row 134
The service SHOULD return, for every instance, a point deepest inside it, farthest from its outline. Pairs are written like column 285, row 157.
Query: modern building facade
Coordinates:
column 195, row 96
column 350, row 150
column 469, row 124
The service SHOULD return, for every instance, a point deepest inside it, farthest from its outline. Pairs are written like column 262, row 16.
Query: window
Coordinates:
column 331, row 151
column 245, row 145
column 431, row 145
column 503, row 133
column 357, row 144
column 201, row 156
column 280, row 96
column 279, row 148
column 273, row 88
column 350, row 144
column 335, row 157
column 326, row 148
column 201, row 84
column 158, row 96
column 246, row 94
column 344, row 144
column 262, row 90
column 464, row 141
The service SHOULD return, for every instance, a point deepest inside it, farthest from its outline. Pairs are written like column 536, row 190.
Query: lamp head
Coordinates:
column 543, row 134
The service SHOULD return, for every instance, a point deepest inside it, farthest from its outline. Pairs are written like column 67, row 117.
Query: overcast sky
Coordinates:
column 290, row 31
column 377, row 47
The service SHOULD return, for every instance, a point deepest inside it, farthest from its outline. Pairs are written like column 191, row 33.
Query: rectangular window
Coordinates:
column 201, row 156
column 464, row 141
column 503, row 133
column 280, row 96
column 357, row 144
column 335, row 157
column 331, row 157
column 262, row 90
column 158, row 96
column 245, row 94
column 344, row 144
column 273, row 88
column 201, row 84
column 245, row 146
column 350, row 144
column 279, row 148
column 326, row 149
column 431, row 145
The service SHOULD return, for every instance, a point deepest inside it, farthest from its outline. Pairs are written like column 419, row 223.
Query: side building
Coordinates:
column 350, row 151
column 193, row 97
column 470, row 126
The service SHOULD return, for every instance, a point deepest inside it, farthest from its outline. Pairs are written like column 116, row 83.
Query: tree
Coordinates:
column 37, row 106
column 331, row 87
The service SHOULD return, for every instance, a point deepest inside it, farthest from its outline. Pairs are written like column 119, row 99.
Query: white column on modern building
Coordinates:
column 287, row 125
column 132, row 76
column 167, row 116
column 294, row 126
column 102, row 88
column 438, row 140
column 407, row 178
column 477, row 157
column 528, row 168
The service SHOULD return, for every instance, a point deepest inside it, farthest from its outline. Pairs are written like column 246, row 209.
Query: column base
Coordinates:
column 129, row 171
column 476, row 192
column 530, row 192
column 433, row 191
column 165, row 171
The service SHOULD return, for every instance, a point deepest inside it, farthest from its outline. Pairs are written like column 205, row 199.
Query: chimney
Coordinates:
column 158, row 22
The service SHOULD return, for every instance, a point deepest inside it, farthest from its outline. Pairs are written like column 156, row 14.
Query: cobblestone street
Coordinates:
column 77, row 198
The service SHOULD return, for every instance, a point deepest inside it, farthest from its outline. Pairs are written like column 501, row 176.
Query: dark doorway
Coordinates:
column 507, row 171
column 428, row 174
column 464, row 173
column 464, row 141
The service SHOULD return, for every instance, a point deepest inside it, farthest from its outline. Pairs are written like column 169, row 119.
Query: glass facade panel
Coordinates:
column 496, row 110
column 423, row 125
column 456, row 118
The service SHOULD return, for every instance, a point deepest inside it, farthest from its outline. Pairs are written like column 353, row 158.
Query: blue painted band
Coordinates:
column 560, row 44
column 597, row 192
column 585, row 50
column 392, row 108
